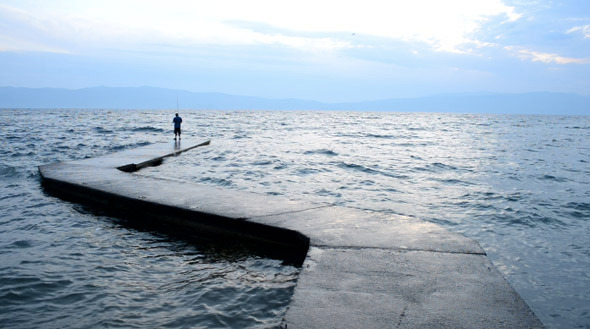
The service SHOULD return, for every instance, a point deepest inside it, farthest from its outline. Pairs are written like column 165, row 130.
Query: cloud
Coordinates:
column 16, row 45
column 548, row 58
column 585, row 30
column 19, row 31
column 446, row 26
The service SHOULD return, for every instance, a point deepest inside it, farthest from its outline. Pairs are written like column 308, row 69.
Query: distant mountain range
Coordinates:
column 161, row 98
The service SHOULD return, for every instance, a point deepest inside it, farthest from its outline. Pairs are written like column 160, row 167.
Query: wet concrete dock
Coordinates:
column 360, row 269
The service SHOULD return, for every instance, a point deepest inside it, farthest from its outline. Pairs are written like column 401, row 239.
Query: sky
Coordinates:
column 331, row 51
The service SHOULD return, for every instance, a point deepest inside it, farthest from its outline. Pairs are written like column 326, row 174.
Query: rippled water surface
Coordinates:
column 65, row 266
column 519, row 185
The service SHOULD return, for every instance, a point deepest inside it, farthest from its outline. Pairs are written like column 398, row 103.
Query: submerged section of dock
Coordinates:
column 360, row 269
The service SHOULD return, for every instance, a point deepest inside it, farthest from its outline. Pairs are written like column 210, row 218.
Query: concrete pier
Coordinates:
column 360, row 269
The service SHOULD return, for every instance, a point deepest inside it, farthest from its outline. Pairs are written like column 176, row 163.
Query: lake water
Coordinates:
column 519, row 185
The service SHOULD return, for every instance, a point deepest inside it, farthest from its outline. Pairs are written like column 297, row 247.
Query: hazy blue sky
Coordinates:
column 321, row 50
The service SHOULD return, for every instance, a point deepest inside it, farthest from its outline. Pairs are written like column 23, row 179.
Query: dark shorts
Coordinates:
column 176, row 131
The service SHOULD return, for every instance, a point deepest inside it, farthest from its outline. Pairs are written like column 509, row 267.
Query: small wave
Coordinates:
column 526, row 218
column 21, row 244
column 102, row 130
column 240, row 136
column 127, row 146
column 262, row 163
column 216, row 181
column 7, row 171
column 367, row 170
column 436, row 166
column 443, row 166
column 307, row 171
column 488, row 196
column 12, row 297
column 148, row 129
column 355, row 166
column 12, row 281
column 325, row 192
column 453, row 181
column 22, row 154
column 106, row 269
column 553, row 178
column 582, row 206
column 579, row 210
column 380, row 136
column 491, row 196
column 119, row 147
column 513, row 197
column 280, row 166
column 69, row 299
column 321, row 152
column 28, row 290
column 13, row 195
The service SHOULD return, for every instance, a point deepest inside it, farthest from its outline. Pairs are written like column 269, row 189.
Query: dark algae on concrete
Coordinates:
column 359, row 269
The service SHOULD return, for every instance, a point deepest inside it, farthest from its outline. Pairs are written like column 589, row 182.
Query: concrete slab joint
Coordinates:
column 359, row 269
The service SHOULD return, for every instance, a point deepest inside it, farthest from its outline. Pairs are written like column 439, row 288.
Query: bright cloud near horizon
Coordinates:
column 322, row 50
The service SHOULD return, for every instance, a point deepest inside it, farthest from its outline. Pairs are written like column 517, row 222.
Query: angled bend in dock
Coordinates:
column 360, row 269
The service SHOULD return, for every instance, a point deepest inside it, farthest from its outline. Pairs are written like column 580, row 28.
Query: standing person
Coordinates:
column 177, row 120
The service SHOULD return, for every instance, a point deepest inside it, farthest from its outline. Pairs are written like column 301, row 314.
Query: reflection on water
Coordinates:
column 63, row 266
column 517, row 184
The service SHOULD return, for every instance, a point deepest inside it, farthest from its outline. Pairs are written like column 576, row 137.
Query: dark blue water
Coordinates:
column 65, row 266
column 519, row 185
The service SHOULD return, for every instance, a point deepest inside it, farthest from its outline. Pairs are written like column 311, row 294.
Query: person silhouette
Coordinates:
column 177, row 121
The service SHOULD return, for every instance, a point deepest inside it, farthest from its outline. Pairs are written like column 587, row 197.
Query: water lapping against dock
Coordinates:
column 517, row 184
